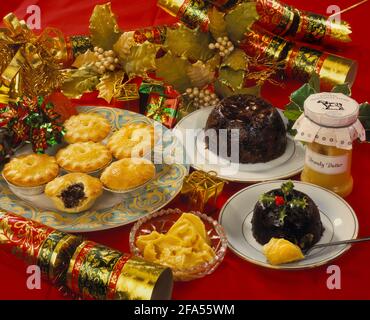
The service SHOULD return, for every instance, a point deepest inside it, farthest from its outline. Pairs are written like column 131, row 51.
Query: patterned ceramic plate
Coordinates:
column 338, row 218
column 111, row 210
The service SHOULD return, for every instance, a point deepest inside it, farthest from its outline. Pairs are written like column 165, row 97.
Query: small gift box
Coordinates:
column 160, row 103
column 202, row 188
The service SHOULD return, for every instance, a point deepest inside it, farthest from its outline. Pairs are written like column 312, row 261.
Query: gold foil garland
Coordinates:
column 35, row 66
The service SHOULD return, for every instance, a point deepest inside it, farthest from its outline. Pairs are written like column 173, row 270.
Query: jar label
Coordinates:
column 326, row 164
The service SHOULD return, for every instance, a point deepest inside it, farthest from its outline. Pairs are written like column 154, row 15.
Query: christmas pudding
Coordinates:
column 289, row 214
column 262, row 133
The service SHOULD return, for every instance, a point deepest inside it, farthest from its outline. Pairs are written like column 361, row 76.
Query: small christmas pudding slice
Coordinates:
column 289, row 214
column 74, row 192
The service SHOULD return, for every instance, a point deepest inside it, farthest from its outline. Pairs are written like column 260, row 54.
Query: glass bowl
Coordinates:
column 161, row 221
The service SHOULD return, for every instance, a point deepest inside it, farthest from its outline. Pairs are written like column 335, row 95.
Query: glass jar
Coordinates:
column 328, row 126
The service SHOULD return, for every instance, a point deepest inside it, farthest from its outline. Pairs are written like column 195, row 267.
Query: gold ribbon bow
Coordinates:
column 40, row 58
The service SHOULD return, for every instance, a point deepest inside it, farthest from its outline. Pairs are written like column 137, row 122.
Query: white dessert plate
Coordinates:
column 287, row 165
column 338, row 218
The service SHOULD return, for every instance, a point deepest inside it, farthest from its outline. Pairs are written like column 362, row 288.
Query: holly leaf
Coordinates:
column 172, row 70
column 107, row 85
column 364, row 117
column 193, row 44
column 239, row 20
column 214, row 62
column 292, row 112
column 103, row 27
column 314, row 82
column 267, row 199
column 85, row 59
column 236, row 60
column 79, row 81
column 224, row 91
column 342, row 88
column 299, row 96
column 234, row 79
column 217, row 25
column 140, row 60
column 282, row 215
column 287, row 187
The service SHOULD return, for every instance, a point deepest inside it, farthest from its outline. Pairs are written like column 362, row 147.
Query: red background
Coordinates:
column 235, row 278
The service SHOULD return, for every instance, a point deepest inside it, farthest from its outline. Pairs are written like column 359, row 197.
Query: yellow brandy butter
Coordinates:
column 279, row 251
column 329, row 167
column 328, row 127
column 185, row 245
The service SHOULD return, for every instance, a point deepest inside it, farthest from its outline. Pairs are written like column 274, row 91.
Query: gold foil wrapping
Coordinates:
column 90, row 270
column 193, row 13
column 284, row 20
column 202, row 187
column 299, row 62
column 98, row 272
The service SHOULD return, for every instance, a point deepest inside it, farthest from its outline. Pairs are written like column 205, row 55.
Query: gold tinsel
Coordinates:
column 29, row 64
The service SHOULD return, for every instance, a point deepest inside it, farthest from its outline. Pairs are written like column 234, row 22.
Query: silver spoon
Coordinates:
column 336, row 243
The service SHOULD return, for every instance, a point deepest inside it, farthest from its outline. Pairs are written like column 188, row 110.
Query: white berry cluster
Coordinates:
column 202, row 97
column 223, row 45
column 108, row 60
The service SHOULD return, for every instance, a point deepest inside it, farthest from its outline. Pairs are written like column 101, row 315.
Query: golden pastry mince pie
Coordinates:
column 86, row 127
column 84, row 157
column 31, row 170
column 74, row 192
column 128, row 173
column 132, row 140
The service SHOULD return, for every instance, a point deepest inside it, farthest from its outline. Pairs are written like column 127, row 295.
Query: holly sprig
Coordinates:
column 285, row 201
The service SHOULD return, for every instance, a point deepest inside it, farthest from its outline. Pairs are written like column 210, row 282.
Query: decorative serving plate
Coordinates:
column 289, row 164
column 110, row 210
column 338, row 218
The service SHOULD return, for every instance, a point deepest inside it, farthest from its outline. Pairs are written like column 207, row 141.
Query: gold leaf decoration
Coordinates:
column 172, row 70
column 79, row 81
column 108, row 85
column 140, row 60
column 240, row 19
column 214, row 62
column 236, row 60
column 224, row 91
column 200, row 74
column 124, row 44
column 193, row 44
column 103, row 27
column 217, row 25
column 85, row 59
column 234, row 79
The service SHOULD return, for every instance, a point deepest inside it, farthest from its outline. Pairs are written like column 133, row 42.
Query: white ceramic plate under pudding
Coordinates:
column 199, row 157
column 339, row 220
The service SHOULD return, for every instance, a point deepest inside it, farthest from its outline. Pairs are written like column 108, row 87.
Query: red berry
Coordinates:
column 279, row 201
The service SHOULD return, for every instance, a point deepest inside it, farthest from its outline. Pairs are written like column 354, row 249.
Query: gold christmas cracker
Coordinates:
column 285, row 20
column 193, row 13
column 38, row 244
column 300, row 62
column 99, row 272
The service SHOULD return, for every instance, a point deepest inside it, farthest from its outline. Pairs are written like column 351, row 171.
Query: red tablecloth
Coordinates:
column 235, row 278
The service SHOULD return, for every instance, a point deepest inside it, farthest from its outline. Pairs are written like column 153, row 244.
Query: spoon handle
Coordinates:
column 336, row 243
